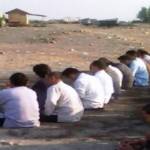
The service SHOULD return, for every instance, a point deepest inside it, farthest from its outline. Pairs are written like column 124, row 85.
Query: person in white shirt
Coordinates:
column 145, row 56
column 19, row 106
column 116, row 76
column 118, row 72
column 98, row 68
column 88, row 87
column 62, row 101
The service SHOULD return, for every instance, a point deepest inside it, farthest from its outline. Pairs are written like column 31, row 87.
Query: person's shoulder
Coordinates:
column 55, row 86
column 147, row 57
column 115, row 68
column 69, row 88
column 31, row 91
column 6, row 90
column 81, row 77
column 86, row 78
column 99, row 73
column 107, row 76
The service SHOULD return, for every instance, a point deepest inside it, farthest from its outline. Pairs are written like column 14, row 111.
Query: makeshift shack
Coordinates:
column 18, row 17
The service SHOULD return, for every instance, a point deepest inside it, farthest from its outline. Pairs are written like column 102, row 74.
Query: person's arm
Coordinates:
column 3, row 97
column 134, row 68
column 53, row 96
column 80, row 88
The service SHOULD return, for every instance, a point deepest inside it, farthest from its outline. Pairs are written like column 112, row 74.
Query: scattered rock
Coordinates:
column 53, row 42
column 72, row 50
column 109, row 37
column 85, row 53
column 2, row 53
column 67, row 33
column 91, row 44
column 17, row 51
column 70, row 39
column 98, row 37
column 146, row 33
column 59, row 63
column 125, row 39
column 82, row 31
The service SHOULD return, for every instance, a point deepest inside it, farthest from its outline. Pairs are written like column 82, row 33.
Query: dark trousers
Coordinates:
column 2, row 120
column 52, row 118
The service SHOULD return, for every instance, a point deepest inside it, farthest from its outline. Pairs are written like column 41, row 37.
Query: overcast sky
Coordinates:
column 100, row 9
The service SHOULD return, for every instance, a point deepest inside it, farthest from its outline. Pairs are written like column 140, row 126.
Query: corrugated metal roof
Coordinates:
column 18, row 11
column 23, row 12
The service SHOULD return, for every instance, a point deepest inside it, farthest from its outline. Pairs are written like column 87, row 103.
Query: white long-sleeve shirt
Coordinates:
column 118, row 72
column 63, row 101
column 90, row 91
column 107, row 84
column 20, row 107
column 147, row 59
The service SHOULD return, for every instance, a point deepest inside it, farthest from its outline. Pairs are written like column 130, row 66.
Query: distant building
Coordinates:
column 108, row 22
column 18, row 17
column 88, row 21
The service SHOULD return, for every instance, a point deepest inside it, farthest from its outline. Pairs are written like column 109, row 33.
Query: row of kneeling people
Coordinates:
column 52, row 100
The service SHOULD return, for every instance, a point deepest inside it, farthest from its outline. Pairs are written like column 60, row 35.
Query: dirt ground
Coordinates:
column 63, row 46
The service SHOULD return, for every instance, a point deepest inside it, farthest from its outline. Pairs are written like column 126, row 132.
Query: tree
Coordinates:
column 2, row 21
column 143, row 14
column 148, row 14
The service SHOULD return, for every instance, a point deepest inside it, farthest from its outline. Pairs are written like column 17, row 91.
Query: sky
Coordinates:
column 99, row 9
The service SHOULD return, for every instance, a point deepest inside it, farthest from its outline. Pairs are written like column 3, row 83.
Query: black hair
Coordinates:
column 146, row 109
column 69, row 71
column 105, row 60
column 142, row 52
column 41, row 70
column 131, row 53
column 124, row 58
column 19, row 79
column 100, row 64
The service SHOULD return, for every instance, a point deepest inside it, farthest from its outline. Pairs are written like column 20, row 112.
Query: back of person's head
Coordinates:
column 146, row 114
column 146, row 109
column 70, row 71
column 142, row 53
column 18, row 79
column 132, row 54
column 57, row 75
column 99, row 64
column 105, row 60
column 41, row 70
column 124, row 58
column 54, row 77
